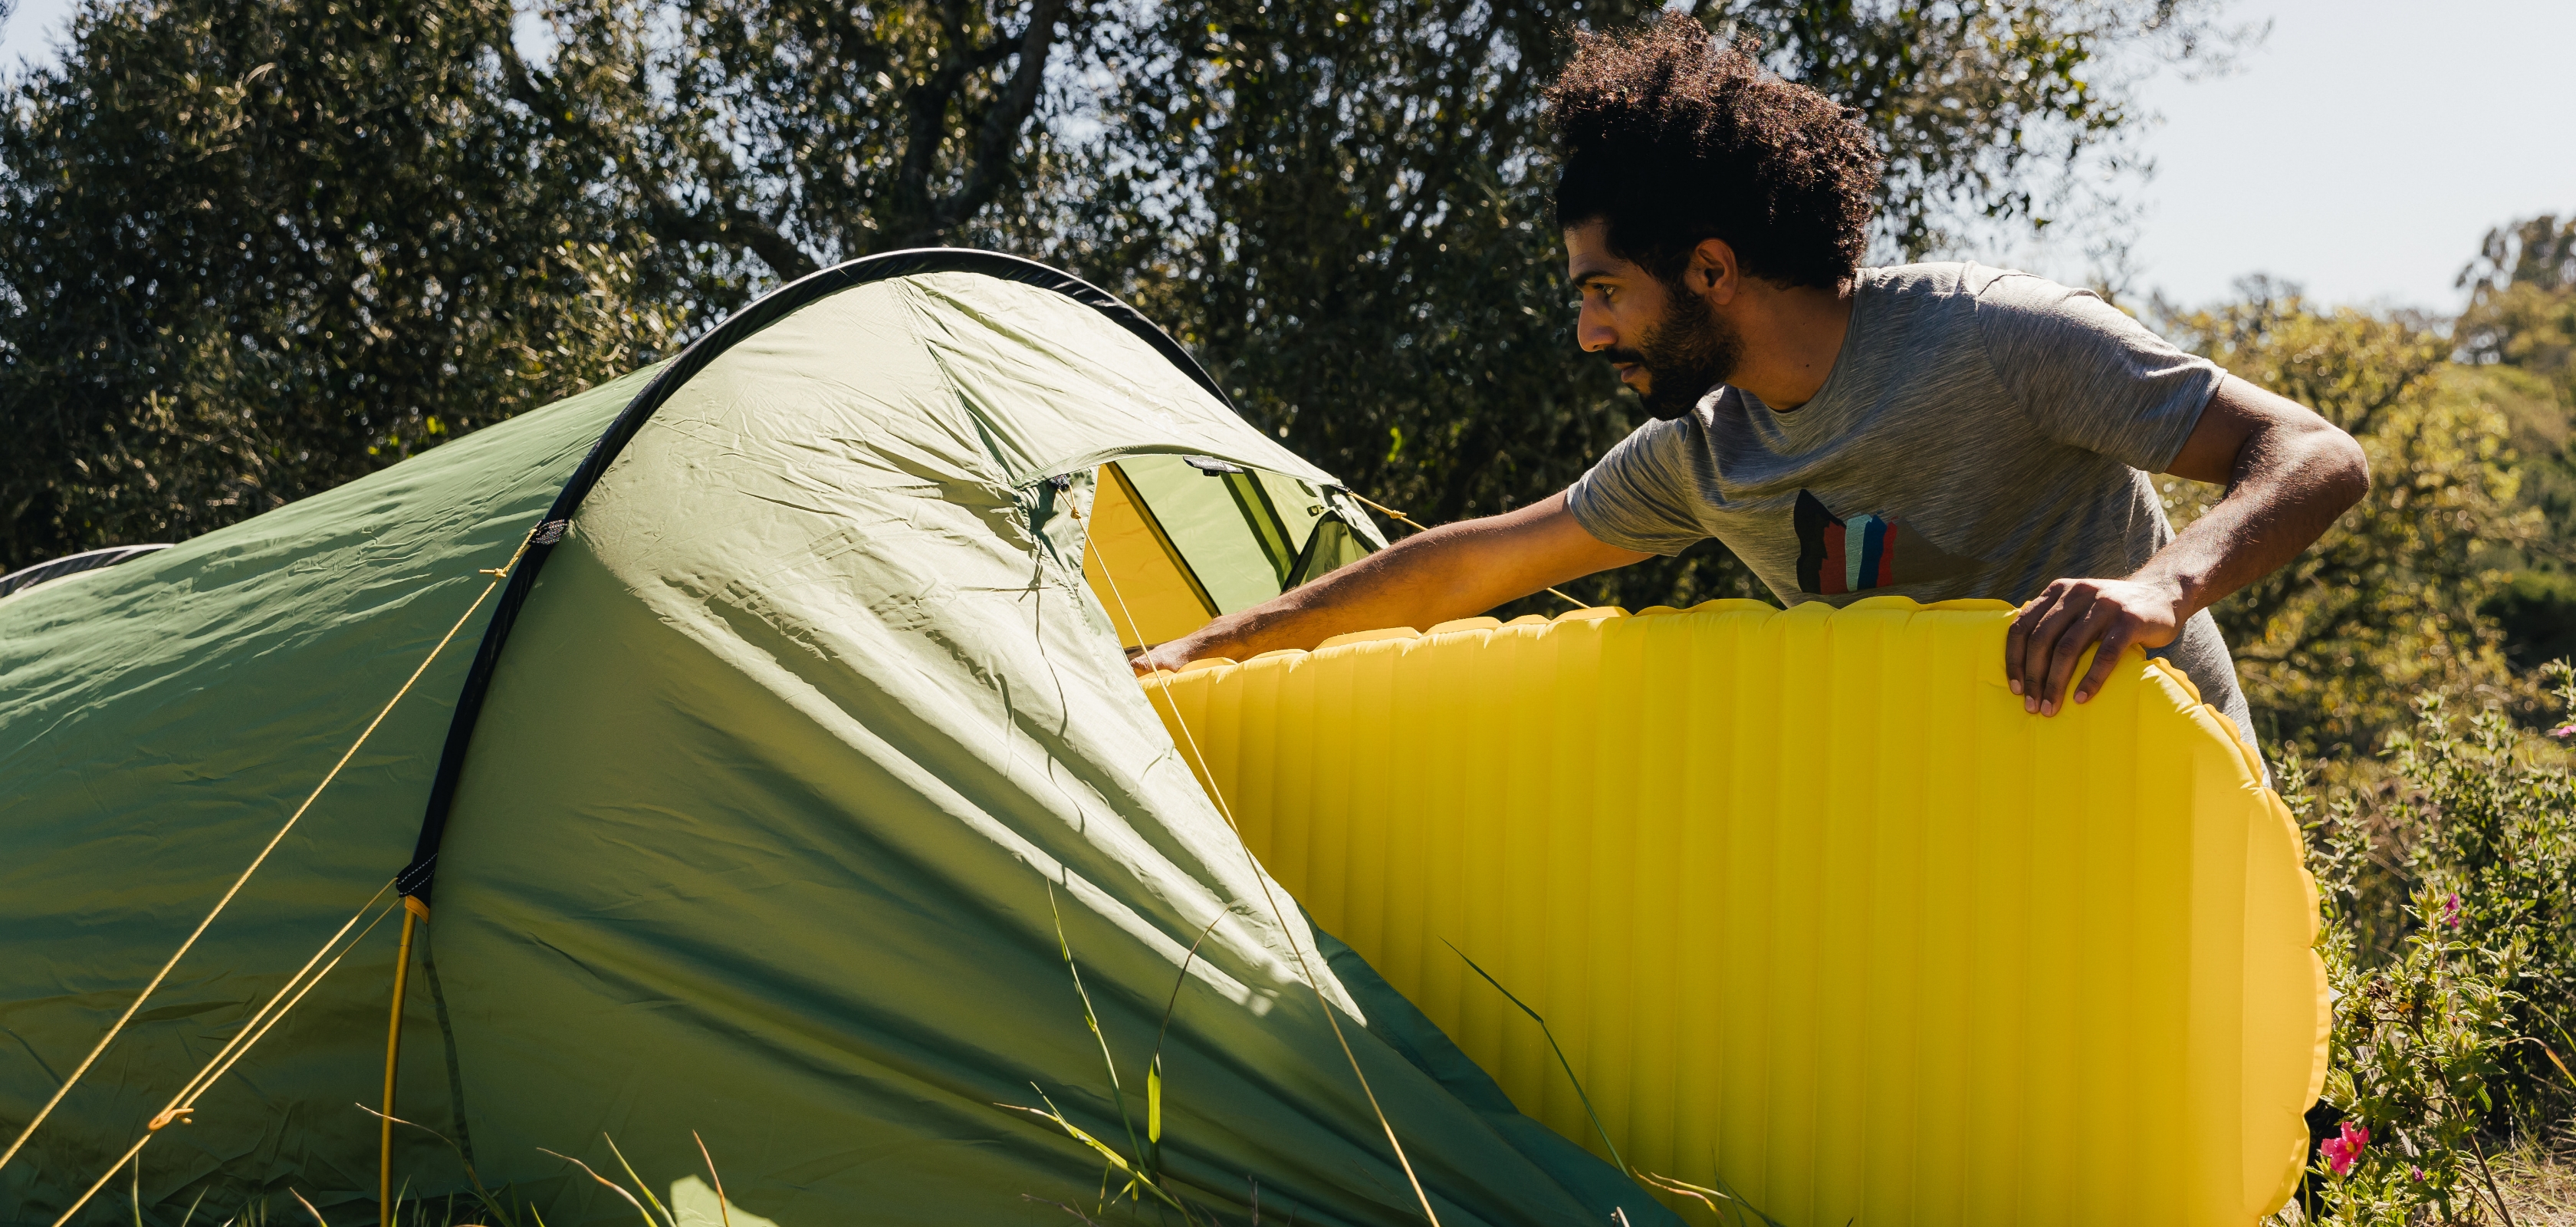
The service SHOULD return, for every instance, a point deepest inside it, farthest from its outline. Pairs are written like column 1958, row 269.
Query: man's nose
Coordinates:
column 1592, row 331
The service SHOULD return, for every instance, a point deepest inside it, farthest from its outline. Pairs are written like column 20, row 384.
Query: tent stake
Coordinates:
column 414, row 911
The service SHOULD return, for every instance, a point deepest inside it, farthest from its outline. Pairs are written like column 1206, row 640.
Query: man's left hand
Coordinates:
column 2050, row 636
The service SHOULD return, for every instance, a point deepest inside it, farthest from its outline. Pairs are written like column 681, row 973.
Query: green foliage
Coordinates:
column 2334, row 646
column 2450, row 944
column 2519, row 331
column 1984, row 109
column 2522, row 305
column 799, row 133
column 251, row 250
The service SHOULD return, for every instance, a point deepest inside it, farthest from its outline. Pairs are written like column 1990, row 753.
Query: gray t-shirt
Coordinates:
column 1982, row 434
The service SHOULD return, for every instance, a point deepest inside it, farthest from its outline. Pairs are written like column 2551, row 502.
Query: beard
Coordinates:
column 1684, row 354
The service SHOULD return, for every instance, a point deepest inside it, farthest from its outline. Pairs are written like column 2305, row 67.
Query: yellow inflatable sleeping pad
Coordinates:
column 1813, row 907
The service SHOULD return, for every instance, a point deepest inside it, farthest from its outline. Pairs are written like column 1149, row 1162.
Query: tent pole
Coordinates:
column 414, row 911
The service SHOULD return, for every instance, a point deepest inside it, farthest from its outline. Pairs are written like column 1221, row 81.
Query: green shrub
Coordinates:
column 2450, row 945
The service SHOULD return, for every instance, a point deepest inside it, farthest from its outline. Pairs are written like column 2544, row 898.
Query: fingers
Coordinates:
column 2019, row 638
column 2016, row 638
column 2049, row 619
column 2115, row 640
column 2099, row 619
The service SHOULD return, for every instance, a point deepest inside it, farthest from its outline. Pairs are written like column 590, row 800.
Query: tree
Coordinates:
column 2522, row 302
column 252, row 250
column 1985, row 109
column 249, row 251
column 2520, row 328
column 804, row 133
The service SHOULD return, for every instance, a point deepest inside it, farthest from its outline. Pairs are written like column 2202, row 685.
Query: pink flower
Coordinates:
column 2451, row 909
column 2342, row 1152
column 2563, row 730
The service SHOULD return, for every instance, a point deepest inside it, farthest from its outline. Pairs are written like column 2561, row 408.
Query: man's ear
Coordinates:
column 1712, row 273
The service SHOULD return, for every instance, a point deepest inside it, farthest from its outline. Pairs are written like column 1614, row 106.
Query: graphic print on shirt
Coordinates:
column 1836, row 556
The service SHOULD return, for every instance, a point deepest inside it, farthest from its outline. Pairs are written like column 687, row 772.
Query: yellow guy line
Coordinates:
column 1267, row 894
column 185, row 1101
column 1384, row 510
column 103, row 1041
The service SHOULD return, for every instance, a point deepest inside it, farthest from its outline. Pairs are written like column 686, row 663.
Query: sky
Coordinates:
column 2361, row 151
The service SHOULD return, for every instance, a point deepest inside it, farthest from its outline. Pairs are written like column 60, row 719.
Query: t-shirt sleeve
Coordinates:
column 1637, row 496
column 2089, row 376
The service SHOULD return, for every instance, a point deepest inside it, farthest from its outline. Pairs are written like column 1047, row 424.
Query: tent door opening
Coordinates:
column 1188, row 538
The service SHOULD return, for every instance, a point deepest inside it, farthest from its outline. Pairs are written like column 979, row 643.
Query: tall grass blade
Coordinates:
column 191, row 1215
column 308, row 1208
column 1046, row 1201
column 1154, row 1064
column 1153, row 1106
column 1091, row 1018
column 1135, row 1178
column 640, row 1186
column 1552, row 1047
column 1651, row 1180
column 613, row 1186
column 500, row 1214
column 1710, row 1197
column 724, row 1208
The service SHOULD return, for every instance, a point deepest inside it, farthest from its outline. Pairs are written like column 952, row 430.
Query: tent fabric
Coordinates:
column 73, row 564
column 158, row 720
column 965, row 337
column 795, row 753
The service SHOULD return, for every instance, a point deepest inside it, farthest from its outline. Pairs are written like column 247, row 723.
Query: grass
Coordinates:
column 2539, row 1185
column 1142, row 1177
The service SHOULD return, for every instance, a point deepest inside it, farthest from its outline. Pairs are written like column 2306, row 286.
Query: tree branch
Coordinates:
column 989, row 168
column 730, row 224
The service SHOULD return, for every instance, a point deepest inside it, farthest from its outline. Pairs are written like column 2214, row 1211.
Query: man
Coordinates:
column 1932, row 431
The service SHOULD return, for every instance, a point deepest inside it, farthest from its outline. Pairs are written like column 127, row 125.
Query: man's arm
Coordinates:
column 1453, row 571
column 2289, row 473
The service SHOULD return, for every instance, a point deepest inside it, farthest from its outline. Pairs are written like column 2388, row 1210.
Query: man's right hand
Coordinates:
column 1453, row 571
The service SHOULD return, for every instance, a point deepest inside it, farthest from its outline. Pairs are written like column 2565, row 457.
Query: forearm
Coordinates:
column 1454, row 571
column 2285, row 489
column 1425, row 579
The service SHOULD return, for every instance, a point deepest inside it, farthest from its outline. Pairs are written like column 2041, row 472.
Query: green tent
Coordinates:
column 747, row 806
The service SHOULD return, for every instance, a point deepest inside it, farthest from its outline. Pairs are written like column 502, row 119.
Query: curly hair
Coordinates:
column 1672, row 137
